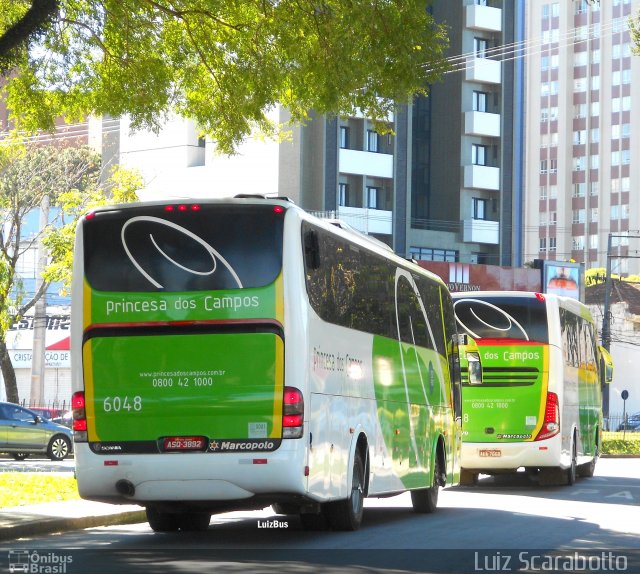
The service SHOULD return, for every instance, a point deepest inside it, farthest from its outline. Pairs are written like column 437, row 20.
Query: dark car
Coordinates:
column 24, row 432
column 632, row 423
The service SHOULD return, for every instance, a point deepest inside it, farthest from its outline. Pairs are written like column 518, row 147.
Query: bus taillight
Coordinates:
column 292, row 413
column 79, row 417
column 551, row 425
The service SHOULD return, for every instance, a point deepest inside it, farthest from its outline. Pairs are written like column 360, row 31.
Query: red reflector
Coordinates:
column 292, row 420
column 80, row 425
column 111, row 463
column 259, row 461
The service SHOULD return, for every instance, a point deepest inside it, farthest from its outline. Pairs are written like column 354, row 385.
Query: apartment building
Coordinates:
column 583, row 94
column 447, row 185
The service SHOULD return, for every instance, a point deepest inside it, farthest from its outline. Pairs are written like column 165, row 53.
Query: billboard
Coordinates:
column 563, row 278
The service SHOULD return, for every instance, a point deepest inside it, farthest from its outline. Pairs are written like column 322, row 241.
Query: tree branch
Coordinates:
column 32, row 22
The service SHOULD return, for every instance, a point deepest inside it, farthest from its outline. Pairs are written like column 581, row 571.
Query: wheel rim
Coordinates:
column 357, row 493
column 59, row 448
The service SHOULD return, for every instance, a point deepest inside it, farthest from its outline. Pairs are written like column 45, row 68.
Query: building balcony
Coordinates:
column 484, row 18
column 482, row 177
column 366, row 163
column 367, row 220
column 483, row 70
column 481, row 231
column 482, row 124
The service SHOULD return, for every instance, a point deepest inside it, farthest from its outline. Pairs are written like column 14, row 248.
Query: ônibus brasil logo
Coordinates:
column 32, row 561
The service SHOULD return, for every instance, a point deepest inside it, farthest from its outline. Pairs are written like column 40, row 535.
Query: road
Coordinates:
column 508, row 525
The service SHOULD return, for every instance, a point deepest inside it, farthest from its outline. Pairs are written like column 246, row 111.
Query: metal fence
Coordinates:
column 624, row 423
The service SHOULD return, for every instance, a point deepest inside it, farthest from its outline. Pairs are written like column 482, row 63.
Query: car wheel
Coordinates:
column 59, row 447
column 19, row 455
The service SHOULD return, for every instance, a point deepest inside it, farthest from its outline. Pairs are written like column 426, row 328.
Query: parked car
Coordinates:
column 632, row 423
column 65, row 419
column 24, row 432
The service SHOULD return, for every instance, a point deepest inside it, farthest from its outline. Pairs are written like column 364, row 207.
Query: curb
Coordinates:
column 51, row 525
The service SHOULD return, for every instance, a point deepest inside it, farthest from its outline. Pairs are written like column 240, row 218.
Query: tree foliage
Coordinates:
column 221, row 62
column 70, row 179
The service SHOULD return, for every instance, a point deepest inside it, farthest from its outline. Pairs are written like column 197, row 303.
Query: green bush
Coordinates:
column 619, row 446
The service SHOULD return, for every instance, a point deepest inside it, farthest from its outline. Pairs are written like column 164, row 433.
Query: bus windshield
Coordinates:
column 516, row 318
column 188, row 247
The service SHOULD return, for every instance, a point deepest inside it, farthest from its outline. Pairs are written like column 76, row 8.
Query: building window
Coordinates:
column 543, row 166
column 479, row 101
column 479, row 208
column 478, row 154
column 593, row 215
column 343, row 194
column 430, row 254
column 593, row 242
column 579, row 189
column 480, row 47
column 577, row 243
column 344, row 137
column 553, row 217
column 552, row 243
column 553, row 166
column 372, row 140
column 578, row 216
column 372, row 197
column 543, row 192
column 543, row 244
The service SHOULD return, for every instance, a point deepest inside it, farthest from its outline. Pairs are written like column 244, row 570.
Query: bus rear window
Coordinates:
column 518, row 318
column 213, row 247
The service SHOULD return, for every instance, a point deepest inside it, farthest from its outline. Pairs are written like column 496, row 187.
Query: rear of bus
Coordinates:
column 178, row 347
column 510, row 415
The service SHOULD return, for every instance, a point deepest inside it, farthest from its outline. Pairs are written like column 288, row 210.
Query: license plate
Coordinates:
column 490, row 452
column 184, row 443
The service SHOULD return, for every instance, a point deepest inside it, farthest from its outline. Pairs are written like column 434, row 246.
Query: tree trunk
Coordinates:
column 8, row 374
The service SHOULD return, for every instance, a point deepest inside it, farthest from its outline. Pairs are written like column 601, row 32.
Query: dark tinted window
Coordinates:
column 215, row 247
column 518, row 318
column 355, row 288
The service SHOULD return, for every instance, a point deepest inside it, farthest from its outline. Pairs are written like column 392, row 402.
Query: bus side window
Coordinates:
column 311, row 250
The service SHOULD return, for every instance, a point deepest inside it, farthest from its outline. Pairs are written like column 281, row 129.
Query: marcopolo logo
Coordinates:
column 32, row 561
column 243, row 445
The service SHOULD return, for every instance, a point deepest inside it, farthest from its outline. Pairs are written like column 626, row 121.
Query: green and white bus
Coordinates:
column 241, row 353
column 536, row 401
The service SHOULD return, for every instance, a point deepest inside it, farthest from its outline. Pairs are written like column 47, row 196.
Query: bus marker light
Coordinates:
column 111, row 463
column 260, row 461
column 278, row 209
column 306, row 471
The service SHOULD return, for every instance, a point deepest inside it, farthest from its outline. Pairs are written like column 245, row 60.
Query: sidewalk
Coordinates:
column 39, row 519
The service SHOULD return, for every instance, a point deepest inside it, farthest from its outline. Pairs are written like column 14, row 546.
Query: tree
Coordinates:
column 222, row 63
column 69, row 178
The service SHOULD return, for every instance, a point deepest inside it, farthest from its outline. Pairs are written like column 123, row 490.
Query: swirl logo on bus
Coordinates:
column 511, row 321
column 214, row 254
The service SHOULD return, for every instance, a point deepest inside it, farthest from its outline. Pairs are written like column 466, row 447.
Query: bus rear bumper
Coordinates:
column 511, row 456
column 189, row 477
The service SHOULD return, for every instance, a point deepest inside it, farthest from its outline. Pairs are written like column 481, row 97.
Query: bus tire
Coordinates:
column 315, row 521
column 425, row 500
column 284, row 508
column 587, row 470
column 572, row 471
column 347, row 514
column 162, row 521
column 194, row 521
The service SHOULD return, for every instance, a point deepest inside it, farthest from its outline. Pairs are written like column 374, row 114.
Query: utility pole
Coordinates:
column 39, row 316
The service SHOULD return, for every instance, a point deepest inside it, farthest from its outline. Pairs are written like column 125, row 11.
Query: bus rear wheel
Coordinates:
column 162, row 521
column 194, row 521
column 347, row 514
column 425, row 500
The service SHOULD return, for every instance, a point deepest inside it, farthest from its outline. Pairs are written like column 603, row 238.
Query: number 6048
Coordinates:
column 126, row 403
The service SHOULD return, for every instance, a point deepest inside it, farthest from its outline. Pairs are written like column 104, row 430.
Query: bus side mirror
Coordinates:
column 605, row 365
column 475, row 368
